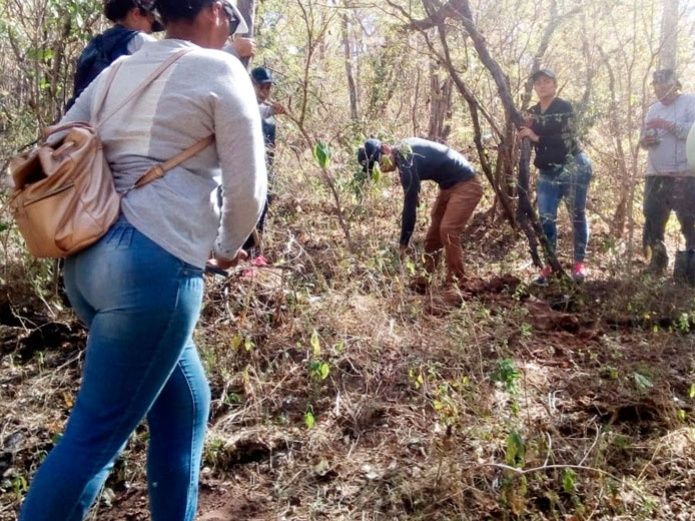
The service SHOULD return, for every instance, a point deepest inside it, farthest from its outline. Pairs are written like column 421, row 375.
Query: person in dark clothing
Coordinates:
column 133, row 21
column 460, row 191
column 564, row 170
column 263, row 82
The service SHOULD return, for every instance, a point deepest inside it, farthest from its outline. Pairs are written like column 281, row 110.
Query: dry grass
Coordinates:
column 341, row 394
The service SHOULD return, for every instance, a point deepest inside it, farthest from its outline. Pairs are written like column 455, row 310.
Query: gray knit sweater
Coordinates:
column 205, row 92
column 668, row 156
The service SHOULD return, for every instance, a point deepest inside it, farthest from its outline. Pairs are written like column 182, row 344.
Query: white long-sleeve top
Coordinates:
column 668, row 156
column 205, row 92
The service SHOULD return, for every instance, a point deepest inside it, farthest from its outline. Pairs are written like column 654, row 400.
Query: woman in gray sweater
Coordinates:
column 139, row 289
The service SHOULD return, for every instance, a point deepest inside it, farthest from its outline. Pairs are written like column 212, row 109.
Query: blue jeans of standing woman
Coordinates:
column 571, row 182
column 141, row 305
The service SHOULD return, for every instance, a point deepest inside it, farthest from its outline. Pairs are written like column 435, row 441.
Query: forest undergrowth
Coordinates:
column 341, row 393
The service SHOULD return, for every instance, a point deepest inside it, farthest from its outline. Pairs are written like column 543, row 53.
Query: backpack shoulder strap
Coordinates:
column 159, row 170
column 135, row 93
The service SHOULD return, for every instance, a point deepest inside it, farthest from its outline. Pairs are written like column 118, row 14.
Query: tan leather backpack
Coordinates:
column 64, row 196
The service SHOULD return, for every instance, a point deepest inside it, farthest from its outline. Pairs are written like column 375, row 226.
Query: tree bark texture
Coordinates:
column 248, row 10
column 349, row 73
column 440, row 104
column 669, row 35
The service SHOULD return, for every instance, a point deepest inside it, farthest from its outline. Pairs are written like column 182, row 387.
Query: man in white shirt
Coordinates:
column 669, row 183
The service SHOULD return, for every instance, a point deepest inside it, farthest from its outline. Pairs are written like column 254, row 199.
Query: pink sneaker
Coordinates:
column 259, row 261
column 579, row 271
column 256, row 262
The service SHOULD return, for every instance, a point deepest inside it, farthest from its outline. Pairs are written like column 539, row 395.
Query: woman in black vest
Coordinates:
column 133, row 21
column 564, row 171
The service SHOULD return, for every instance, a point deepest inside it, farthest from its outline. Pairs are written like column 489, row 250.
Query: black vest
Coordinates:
column 100, row 52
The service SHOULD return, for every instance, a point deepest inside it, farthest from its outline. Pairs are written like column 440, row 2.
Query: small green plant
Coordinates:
column 608, row 371
column 683, row 322
column 445, row 405
column 569, row 478
column 232, row 398
column 315, row 343
column 515, row 449
column 322, row 154
column 648, row 507
column 526, row 330
column 19, row 485
column 462, row 384
column 507, row 374
column 319, row 370
column 340, row 346
column 515, row 488
column 241, row 341
column 622, row 442
column 309, row 418
column 642, row 382
column 214, row 451
column 415, row 378
column 375, row 174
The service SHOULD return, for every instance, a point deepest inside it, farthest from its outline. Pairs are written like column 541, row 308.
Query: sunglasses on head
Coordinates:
column 234, row 20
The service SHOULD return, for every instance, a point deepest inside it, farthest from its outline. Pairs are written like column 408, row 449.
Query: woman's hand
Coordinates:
column 224, row 263
column 244, row 47
column 527, row 132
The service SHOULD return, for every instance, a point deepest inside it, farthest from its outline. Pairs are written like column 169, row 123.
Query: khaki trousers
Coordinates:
column 452, row 211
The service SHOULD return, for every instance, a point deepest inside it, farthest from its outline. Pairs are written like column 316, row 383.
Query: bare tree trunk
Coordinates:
column 620, row 213
column 440, row 104
column 248, row 10
column 414, row 114
column 540, row 54
column 352, row 86
column 669, row 35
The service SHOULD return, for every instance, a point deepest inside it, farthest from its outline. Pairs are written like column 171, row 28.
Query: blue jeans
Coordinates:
column 141, row 305
column 570, row 182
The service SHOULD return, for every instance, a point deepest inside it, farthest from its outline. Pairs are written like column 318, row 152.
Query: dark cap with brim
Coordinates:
column 548, row 73
column 369, row 154
column 262, row 76
column 666, row 76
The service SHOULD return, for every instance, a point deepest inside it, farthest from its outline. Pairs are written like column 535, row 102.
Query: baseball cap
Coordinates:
column 369, row 154
column 667, row 76
column 262, row 76
column 548, row 73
